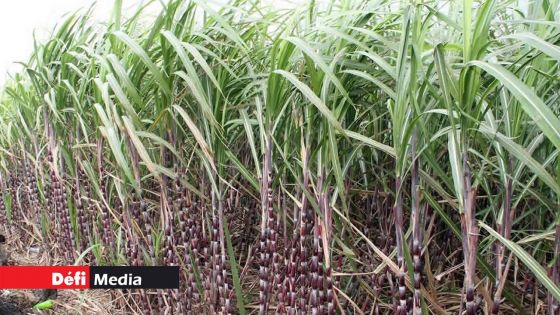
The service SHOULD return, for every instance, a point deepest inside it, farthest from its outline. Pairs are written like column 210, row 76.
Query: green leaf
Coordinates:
column 234, row 273
column 536, row 269
column 314, row 99
column 109, row 132
column 537, row 43
column 533, row 106
column 141, row 53
column 142, row 152
column 318, row 60
column 456, row 166
column 523, row 156
column 370, row 142
column 45, row 305
column 375, row 81
column 197, row 135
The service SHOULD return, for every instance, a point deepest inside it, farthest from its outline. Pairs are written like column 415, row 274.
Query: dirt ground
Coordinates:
column 20, row 302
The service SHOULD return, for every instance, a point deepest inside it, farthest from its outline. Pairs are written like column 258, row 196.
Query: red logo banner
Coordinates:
column 44, row 277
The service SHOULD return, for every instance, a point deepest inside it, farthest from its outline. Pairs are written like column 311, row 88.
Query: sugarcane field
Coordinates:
column 283, row 157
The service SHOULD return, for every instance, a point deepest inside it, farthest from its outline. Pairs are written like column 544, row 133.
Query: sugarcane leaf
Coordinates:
column 109, row 132
column 158, row 140
column 537, row 43
column 142, row 152
column 533, row 106
column 456, row 167
column 373, row 80
column 198, row 92
column 314, row 99
column 197, row 135
column 523, row 156
column 251, row 141
column 382, row 63
column 319, row 61
column 234, row 272
column 141, row 53
column 536, row 269
column 123, row 99
column 203, row 64
column 120, row 71
column 370, row 142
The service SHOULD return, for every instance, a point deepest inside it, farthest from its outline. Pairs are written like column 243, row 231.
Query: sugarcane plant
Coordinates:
column 335, row 157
